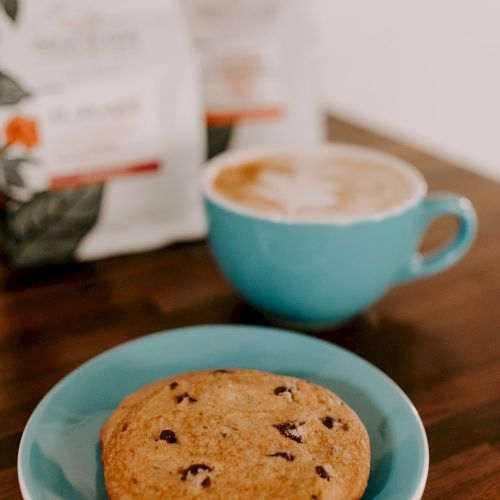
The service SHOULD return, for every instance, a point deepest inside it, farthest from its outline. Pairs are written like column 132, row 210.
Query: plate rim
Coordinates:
column 418, row 493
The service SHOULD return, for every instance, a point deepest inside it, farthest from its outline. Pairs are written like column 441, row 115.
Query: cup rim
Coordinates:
column 213, row 166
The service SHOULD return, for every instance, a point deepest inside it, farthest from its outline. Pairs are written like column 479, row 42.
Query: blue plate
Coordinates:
column 59, row 454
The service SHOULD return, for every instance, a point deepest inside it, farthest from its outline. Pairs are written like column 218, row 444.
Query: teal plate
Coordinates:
column 59, row 454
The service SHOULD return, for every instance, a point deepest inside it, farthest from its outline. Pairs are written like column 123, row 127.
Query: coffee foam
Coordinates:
column 339, row 187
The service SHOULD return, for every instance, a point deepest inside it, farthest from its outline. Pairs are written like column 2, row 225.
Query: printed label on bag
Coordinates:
column 241, row 58
column 242, row 87
column 95, row 133
column 85, row 134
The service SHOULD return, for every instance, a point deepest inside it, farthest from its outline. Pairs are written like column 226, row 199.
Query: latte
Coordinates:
column 313, row 187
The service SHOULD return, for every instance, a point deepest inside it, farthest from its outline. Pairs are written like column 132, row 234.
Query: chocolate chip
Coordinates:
column 328, row 422
column 322, row 472
column 206, row 482
column 184, row 396
column 314, row 497
column 193, row 469
column 168, row 436
column 224, row 434
column 345, row 426
column 280, row 390
column 287, row 429
column 286, row 392
column 124, row 426
column 287, row 456
column 221, row 371
column 173, row 385
column 134, row 480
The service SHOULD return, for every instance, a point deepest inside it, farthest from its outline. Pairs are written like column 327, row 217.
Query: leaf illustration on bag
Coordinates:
column 12, row 176
column 10, row 7
column 11, row 172
column 219, row 138
column 49, row 228
column 10, row 91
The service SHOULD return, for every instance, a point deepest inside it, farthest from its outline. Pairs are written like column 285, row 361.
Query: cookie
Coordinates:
column 234, row 434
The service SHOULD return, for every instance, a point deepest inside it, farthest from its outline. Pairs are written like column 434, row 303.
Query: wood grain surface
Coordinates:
column 437, row 338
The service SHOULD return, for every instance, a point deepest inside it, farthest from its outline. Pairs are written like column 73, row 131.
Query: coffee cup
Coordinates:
column 311, row 237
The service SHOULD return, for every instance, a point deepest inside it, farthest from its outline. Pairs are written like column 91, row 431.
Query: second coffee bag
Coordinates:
column 258, row 72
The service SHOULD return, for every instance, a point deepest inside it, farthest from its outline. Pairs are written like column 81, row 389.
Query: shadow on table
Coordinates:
column 350, row 334
column 402, row 350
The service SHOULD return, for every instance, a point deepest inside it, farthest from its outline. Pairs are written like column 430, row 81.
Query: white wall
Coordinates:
column 427, row 71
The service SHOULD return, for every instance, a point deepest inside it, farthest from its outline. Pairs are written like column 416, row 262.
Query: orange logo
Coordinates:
column 22, row 131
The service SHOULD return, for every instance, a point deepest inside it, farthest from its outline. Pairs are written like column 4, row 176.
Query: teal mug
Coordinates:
column 318, row 273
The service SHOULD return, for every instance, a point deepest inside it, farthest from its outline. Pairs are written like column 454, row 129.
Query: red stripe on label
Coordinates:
column 101, row 176
column 214, row 117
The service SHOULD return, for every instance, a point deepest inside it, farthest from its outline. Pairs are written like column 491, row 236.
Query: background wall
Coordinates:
column 427, row 72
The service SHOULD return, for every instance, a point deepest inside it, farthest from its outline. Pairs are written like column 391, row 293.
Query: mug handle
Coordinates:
column 437, row 205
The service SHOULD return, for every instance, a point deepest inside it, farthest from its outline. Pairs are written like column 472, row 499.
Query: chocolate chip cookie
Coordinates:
column 234, row 434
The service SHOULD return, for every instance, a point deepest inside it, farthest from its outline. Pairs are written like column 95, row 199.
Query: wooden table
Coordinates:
column 438, row 338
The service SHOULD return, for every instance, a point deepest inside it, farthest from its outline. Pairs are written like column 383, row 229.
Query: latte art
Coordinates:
column 313, row 188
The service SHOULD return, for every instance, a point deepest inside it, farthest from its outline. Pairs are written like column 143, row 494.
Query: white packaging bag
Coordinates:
column 101, row 131
column 258, row 71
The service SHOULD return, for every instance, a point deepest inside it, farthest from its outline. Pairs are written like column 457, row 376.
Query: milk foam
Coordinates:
column 314, row 188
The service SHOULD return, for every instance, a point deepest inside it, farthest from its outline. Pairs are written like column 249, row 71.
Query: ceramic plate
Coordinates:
column 59, row 454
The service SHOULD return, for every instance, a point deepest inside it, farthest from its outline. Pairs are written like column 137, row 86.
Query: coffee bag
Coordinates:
column 258, row 72
column 100, row 129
